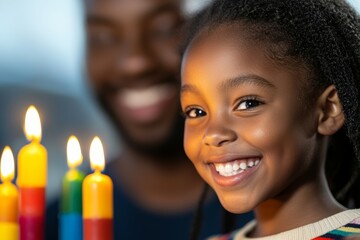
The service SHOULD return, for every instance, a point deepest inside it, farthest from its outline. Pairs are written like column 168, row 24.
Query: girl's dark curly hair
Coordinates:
column 325, row 36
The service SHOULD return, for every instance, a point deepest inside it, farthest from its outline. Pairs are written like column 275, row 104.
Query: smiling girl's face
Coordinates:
column 246, row 130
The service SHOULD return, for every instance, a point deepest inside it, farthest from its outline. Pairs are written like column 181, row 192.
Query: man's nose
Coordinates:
column 136, row 58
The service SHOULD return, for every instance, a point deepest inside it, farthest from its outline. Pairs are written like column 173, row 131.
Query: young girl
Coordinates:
column 271, row 91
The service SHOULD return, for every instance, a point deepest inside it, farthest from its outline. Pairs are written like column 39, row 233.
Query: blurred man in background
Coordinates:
column 133, row 65
column 133, row 61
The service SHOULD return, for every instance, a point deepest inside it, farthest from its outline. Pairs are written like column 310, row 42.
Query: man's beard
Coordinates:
column 169, row 151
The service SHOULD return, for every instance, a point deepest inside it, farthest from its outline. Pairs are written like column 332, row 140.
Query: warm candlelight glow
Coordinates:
column 97, row 158
column 32, row 124
column 74, row 156
column 7, row 165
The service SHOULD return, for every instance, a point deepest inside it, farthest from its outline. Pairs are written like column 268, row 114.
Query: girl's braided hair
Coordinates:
column 323, row 34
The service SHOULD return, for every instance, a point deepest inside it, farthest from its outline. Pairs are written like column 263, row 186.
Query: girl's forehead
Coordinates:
column 235, row 36
column 221, row 41
column 218, row 47
column 220, row 54
column 214, row 41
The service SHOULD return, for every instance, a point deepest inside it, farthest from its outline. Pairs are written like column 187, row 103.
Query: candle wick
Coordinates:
column 6, row 179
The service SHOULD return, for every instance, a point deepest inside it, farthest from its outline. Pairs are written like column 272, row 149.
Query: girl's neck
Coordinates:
column 307, row 204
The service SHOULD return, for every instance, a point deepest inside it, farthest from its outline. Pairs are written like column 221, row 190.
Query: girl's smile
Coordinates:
column 235, row 171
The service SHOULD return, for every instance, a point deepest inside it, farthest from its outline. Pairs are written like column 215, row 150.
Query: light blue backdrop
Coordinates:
column 41, row 63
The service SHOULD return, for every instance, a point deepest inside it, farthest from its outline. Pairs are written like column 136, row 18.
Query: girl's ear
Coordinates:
column 331, row 117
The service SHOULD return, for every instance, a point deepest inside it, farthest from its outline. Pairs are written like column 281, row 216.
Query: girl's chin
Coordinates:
column 237, row 210
column 236, row 205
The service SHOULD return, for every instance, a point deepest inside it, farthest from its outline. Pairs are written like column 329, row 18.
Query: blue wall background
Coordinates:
column 42, row 63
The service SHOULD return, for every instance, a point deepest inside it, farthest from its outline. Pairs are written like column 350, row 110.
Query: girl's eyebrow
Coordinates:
column 189, row 88
column 245, row 79
column 233, row 83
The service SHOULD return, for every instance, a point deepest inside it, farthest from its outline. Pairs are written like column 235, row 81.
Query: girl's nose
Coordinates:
column 219, row 135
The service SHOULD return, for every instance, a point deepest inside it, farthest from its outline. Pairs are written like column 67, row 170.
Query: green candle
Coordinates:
column 71, row 197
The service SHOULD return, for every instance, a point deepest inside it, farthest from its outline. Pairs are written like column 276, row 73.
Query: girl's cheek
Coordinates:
column 263, row 132
column 192, row 144
column 261, row 136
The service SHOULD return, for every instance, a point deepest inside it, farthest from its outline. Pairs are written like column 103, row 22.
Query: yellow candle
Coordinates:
column 9, row 228
column 32, row 178
column 97, row 198
column 32, row 159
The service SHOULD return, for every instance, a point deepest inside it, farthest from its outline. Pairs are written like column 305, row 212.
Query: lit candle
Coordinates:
column 97, row 198
column 32, row 176
column 71, row 197
column 9, row 228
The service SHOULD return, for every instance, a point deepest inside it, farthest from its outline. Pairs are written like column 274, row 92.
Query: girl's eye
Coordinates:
column 194, row 113
column 248, row 104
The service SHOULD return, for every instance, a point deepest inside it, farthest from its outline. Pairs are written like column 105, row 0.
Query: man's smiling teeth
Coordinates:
column 139, row 98
column 235, row 167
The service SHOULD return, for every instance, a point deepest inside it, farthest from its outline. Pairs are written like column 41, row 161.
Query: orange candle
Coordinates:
column 9, row 228
column 32, row 176
column 97, row 198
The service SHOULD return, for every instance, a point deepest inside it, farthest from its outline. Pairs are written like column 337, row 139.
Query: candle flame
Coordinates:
column 7, row 165
column 32, row 124
column 74, row 156
column 97, row 158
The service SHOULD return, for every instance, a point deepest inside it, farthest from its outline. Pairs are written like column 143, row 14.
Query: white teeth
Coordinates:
column 228, row 168
column 250, row 163
column 243, row 165
column 138, row 98
column 219, row 167
column 235, row 167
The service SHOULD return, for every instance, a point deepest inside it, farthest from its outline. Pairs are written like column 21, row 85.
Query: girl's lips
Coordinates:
column 239, row 178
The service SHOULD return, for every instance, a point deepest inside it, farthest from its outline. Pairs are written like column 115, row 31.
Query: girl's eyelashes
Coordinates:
column 193, row 112
column 248, row 102
column 243, row 104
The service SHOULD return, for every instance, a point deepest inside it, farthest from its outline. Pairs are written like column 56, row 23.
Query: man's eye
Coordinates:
column 248, row 104
column 163, row 31
column 101, row 39
column 194, row 113
column 164, row 26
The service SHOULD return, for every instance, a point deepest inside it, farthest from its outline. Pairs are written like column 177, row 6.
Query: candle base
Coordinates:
column 98, row 229
column 9, row 231
column 31, row 227
column 71, row 227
